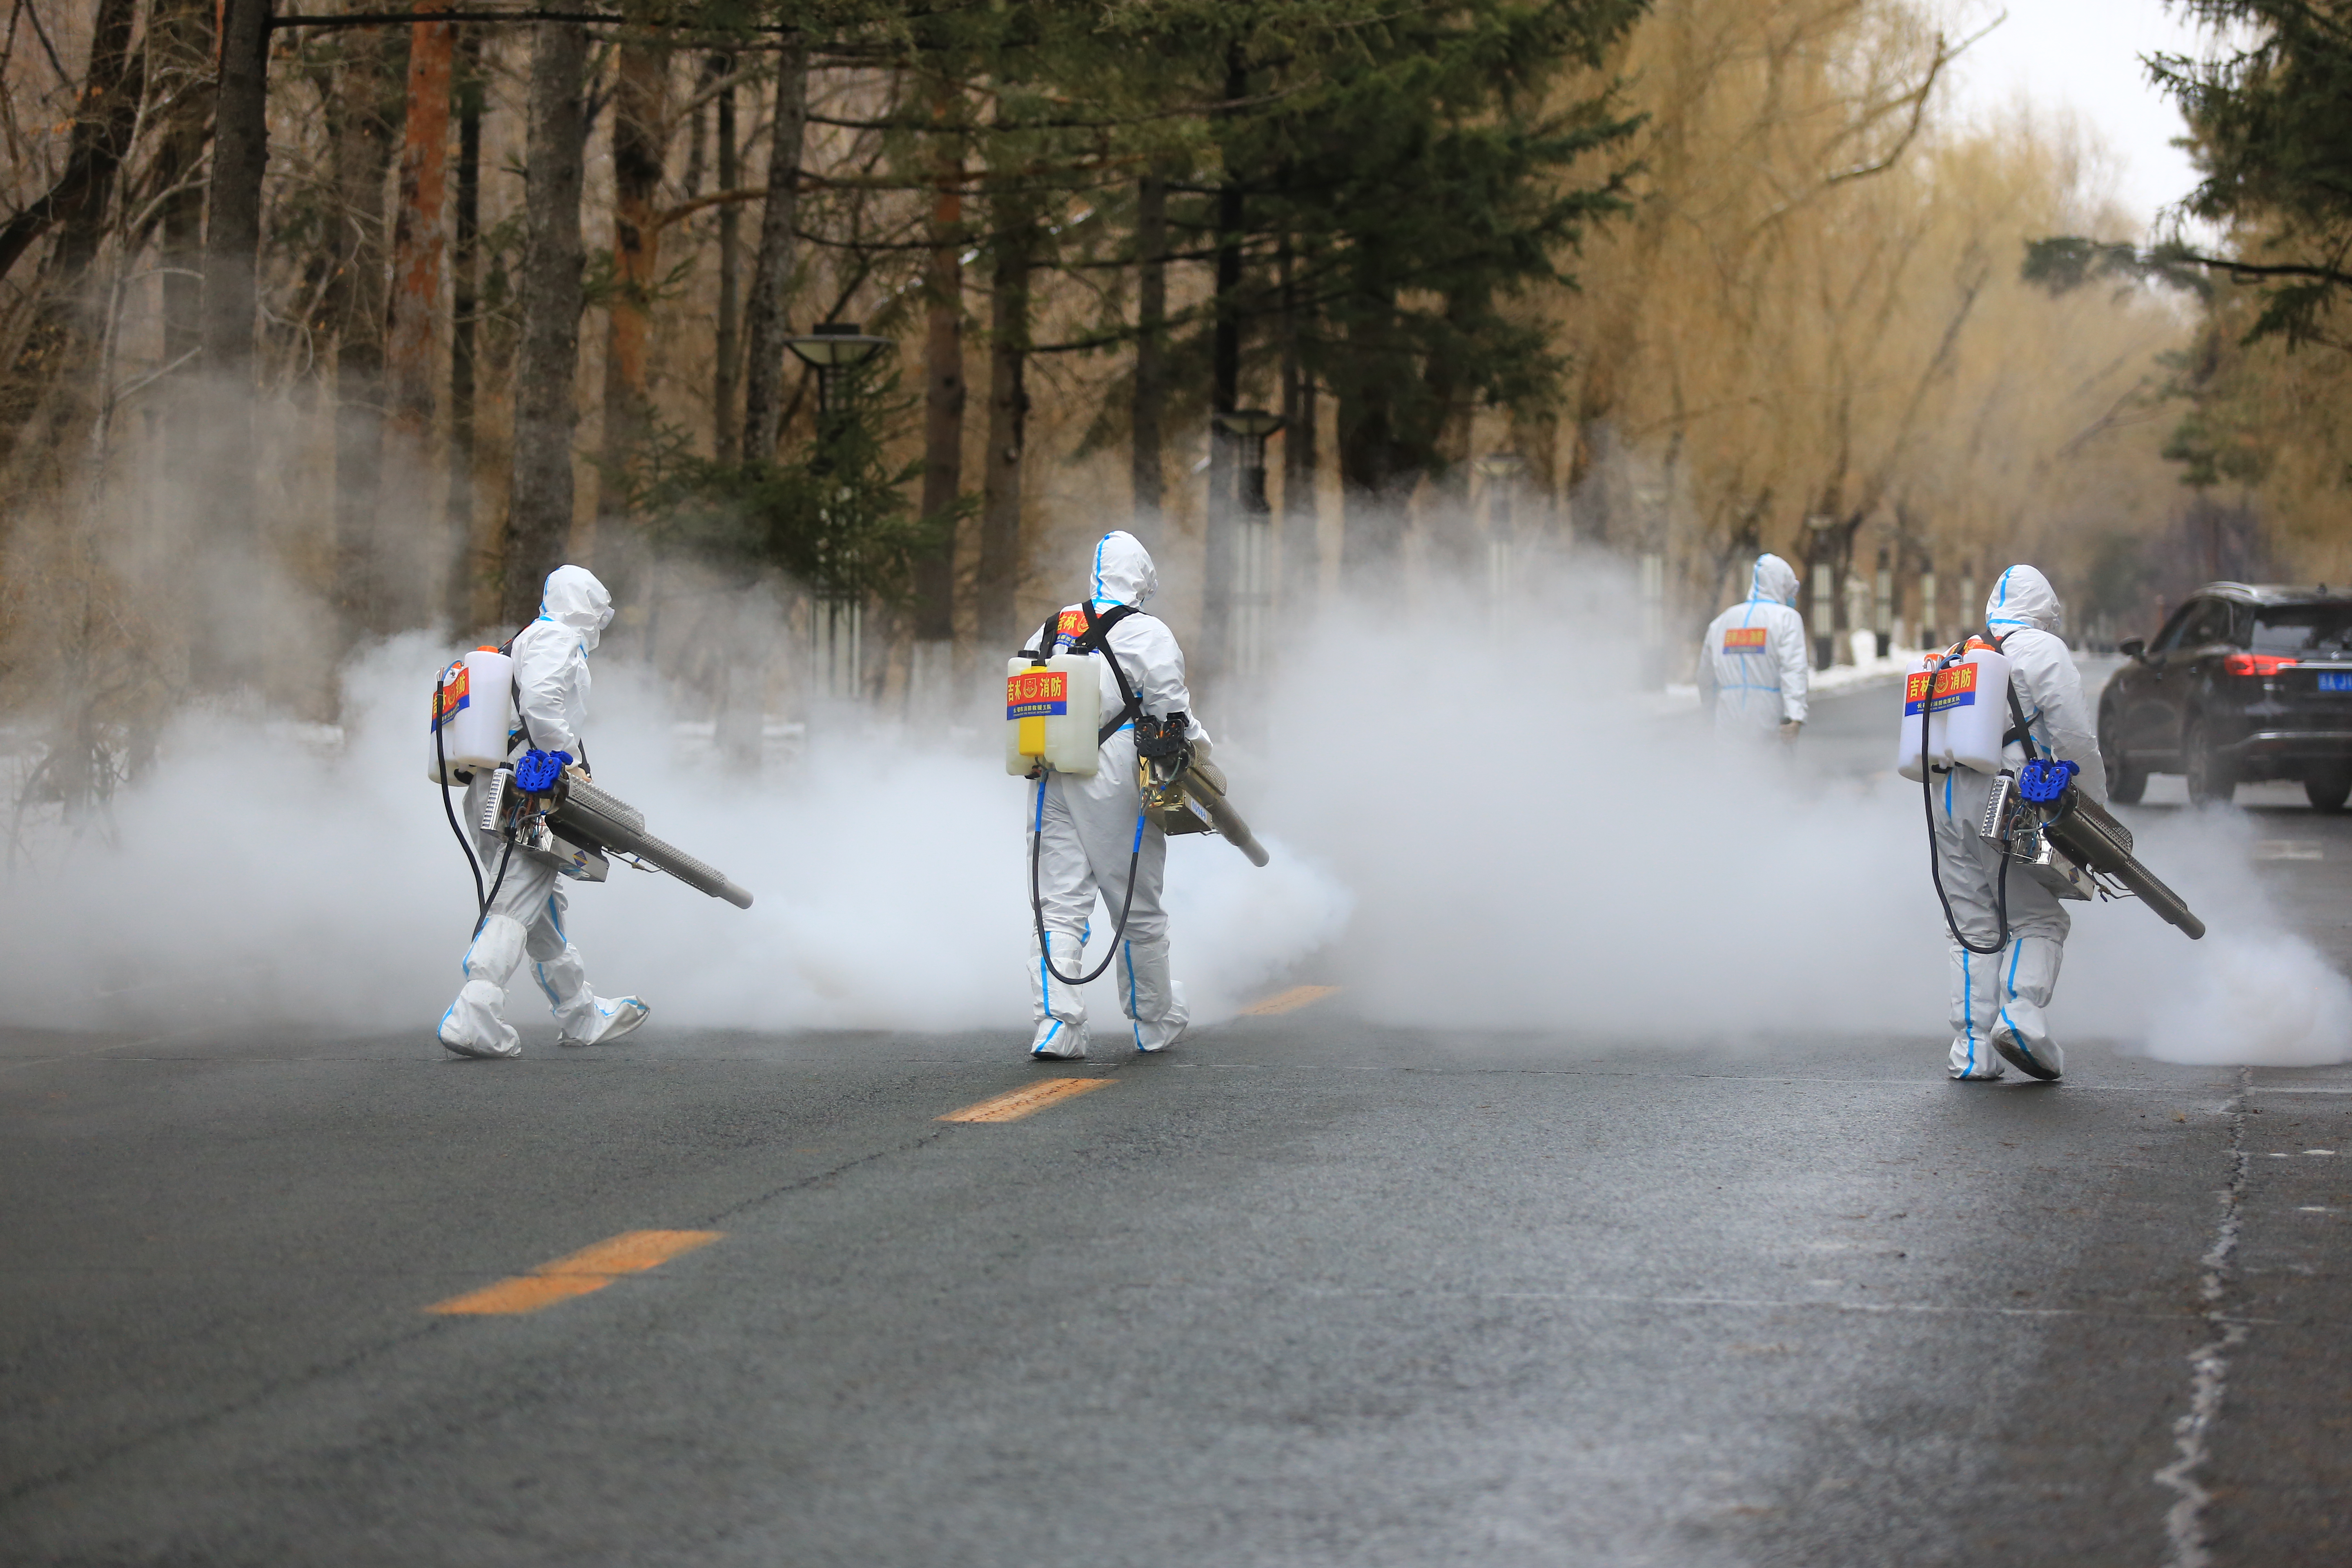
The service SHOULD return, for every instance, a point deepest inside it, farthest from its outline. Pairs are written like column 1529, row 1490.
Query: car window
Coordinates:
column 2169, row 638
column 2209, row 625
column 2303, row 628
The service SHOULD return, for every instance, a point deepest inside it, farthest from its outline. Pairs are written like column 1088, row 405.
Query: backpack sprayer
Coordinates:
column 2069, row 843
column 532, row 803
column 2038, row 816
column 1053, row 707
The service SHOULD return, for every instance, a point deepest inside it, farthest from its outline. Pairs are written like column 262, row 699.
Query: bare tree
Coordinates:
column 548, row 360
column 763, row 377
column 1008, row 419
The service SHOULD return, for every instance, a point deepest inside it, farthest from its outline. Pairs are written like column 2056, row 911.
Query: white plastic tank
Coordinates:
column 1973, row 703
column 473, row 712
column 1052, row 714
column 1916, row 683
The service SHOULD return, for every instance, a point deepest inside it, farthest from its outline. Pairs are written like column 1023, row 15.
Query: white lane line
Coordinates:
column 2208, row 1365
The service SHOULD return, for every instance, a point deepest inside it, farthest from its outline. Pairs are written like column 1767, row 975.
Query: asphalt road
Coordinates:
column 1308, row 1290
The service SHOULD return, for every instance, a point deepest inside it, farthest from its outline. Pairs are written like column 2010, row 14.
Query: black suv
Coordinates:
column 2242, row 683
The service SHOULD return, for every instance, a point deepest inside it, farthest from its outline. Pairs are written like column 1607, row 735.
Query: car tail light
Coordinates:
column 2255, row 664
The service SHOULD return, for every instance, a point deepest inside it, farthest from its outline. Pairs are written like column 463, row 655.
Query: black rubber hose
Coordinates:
column 505, row 855
column 1934, row 860
column 441, row 759
column 1037, row 897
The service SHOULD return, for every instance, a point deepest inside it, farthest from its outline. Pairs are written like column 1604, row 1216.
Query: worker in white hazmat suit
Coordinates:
column 526, row 913
column 1999, row 998
column 1753, row 667
column 1085, row 832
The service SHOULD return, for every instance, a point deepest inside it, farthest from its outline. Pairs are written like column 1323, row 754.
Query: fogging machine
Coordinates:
column 2071, row 844
column 534, row 804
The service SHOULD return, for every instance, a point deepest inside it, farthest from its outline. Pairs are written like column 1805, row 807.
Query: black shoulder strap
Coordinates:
column 2018, row 731
column 1096, row 638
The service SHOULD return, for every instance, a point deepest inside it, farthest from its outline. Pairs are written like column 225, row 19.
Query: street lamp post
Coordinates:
column 1822, row 590
column 1253, row 603
column 1502, row 471
column 1884, row 621
column 836, row 350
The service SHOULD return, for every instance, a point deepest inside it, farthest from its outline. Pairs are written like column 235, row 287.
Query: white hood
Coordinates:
column 2023, row 597
column 575, row 599
column 1123, row 572
column 1774, row 581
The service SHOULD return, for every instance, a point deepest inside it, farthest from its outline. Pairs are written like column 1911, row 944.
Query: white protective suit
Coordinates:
column 1753, row 666
column 1085, row 830
column 525, row 917
column 1997, row 998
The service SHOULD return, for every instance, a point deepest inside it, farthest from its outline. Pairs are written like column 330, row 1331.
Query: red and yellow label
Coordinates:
column 1744, row 639
column 450, row 694
column 1037, row 694
column 1071, row 627
column 1954, row 688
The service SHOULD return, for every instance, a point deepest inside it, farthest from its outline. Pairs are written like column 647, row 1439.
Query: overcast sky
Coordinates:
column 2085, row 54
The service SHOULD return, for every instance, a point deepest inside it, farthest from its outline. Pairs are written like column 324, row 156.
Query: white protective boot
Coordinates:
column 1153, row 1002
column 474, row 1026
column 2020, row 1031
column 1976, row 1006
column 1061, row 1017
column 585, row 1017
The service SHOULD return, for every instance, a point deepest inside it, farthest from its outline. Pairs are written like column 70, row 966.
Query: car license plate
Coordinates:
column 2330, row 680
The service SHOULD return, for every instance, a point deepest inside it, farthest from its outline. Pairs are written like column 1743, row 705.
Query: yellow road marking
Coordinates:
column 589, row 1269
column 1289, row 1001
column 1027, row 1101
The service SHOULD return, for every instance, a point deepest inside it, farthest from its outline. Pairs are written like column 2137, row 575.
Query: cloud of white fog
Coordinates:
column 2252, row 993
column 282, row 874
column 1472, row 827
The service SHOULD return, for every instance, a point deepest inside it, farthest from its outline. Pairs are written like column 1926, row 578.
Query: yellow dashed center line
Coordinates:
column 1288, row 1001
column 589, row 1269
column 1026, row 1100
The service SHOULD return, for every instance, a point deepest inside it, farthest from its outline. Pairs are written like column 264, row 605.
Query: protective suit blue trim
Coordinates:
column 2016, row 952
column 1947, row 794
column 541, row 971
column 1095, row 588
column 1045, row 942
column 1129, row 949
column 555, row 918
column 1039, row 1049
column 1968, row 1012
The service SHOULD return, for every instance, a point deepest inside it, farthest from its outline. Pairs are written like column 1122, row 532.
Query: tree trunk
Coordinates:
column 232, row 252
column 771, row 275
column 359, row 143
column 56, row 348
column 107, row 112
column 471, row 570
column 943, row 396
column 726, row 373
column 182, row 49
column 417, row 247
column 1008, row 414
column 640, row 141
column 640, row 134
column 538, row 506
column 417, row 259
column 1210, row 655
column 1147, row 469
column 1373, row 489
column 1301, row 575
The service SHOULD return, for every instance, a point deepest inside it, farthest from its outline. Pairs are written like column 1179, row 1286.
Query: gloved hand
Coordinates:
column 1789, row 727
column 580, row 770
